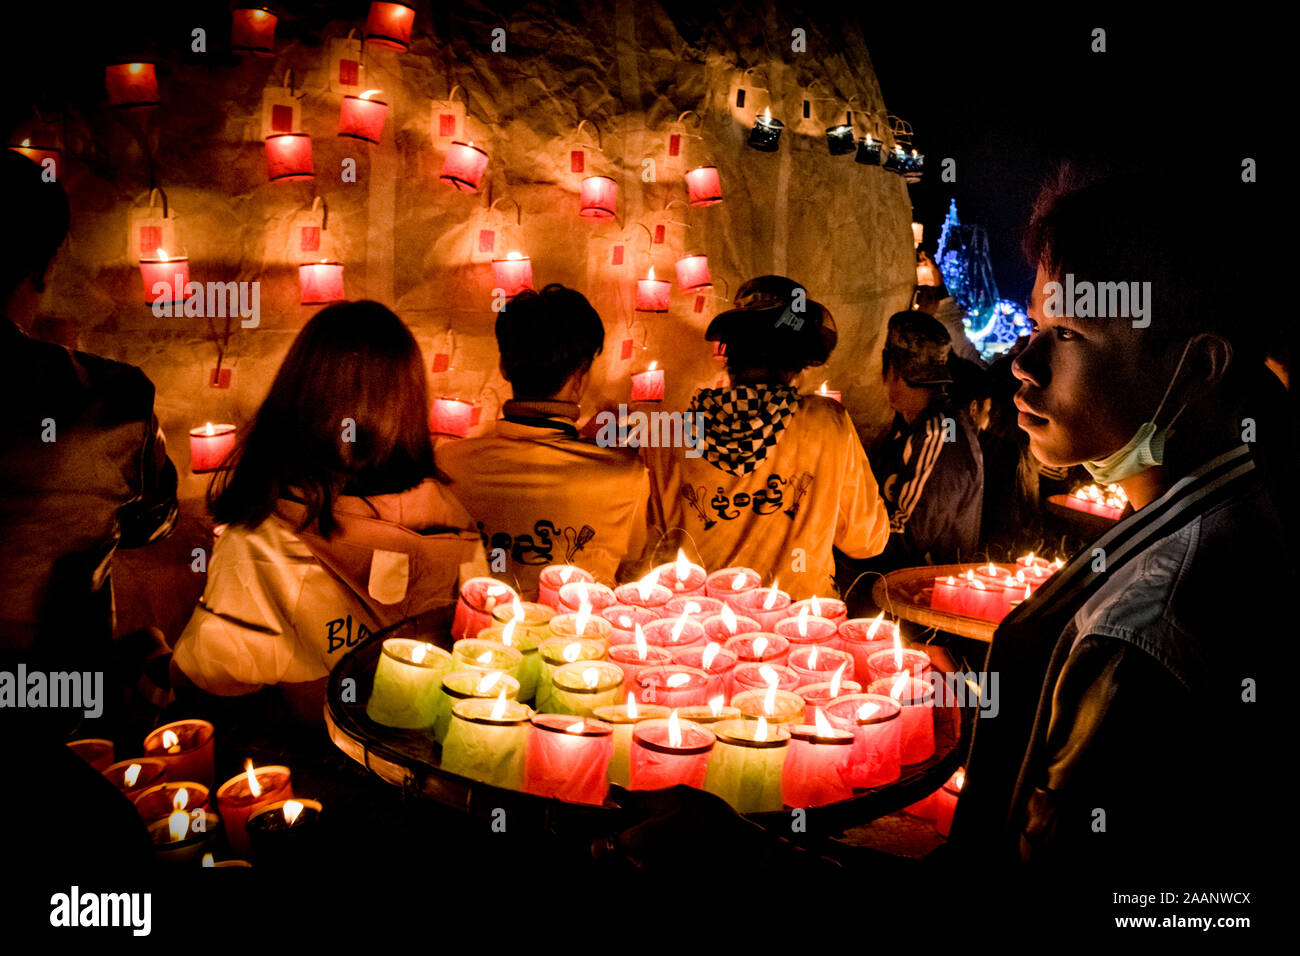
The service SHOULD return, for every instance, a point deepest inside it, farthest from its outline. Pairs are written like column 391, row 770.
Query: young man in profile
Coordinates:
column 539, row 493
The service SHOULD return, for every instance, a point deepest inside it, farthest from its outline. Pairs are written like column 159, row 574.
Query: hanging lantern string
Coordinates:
column 649, row 235
column 319, row 203
column 699, row 121
column 519, row 212
column 592, row 123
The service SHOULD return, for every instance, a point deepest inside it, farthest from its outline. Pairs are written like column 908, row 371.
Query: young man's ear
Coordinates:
column 1213, row 355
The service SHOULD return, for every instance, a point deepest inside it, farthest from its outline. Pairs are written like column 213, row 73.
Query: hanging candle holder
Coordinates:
column 132, row 85
column 362, row 117
column 464, row 166
column 766, row 134
column 841, row 138
column 320, row 280
column 40, row 142
column 598, row 193
column 513, row 272
column 252, row 30
column 389, row 25
column 913, row 166
column 288, row 157
column 164, row 266
column 869, row 146
column 451, row 416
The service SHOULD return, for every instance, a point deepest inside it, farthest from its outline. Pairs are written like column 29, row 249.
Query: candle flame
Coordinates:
column 624, row 621
column 729, row 619
column 1028, row 592
column 692, row 607
column 679, row 679
column 898, row 652
column 801, row 622
column 815, row 606
column 651, row 274
column 869, row 139
column 738, row 581
column 770, row 601
column 584, row 615
column 292, row 810
column 590, row 676
column 991, row 569
column 812, row 658
column 683, row 566
column 767, row 114
column 759, row 647
column 974, row 686
column 485, row 658
column 823, row 389
column 900, row 684
column 514, row 255
column 674, row 730
column 959, row 778
column 646, row 586
column 161, row 254
column 715, row 705
column 970, row 577
column 27, row 142
column 769, row 700
column 171, row 743
column 208, row 860
column 710, row 652
column 770, row 676
column 487, row 682
column 178, row 825
column 254, row 787
column 978, row 585
column 499, row 708
column 871, row 631
column 418, row 652
column 517, row 608
column 132, row 775
column 181, row 799
column 508, row 632
column 653, row 366
column 867, row 711
column 642, row 650
column 631, row 705
column 824, row 728
column 679, row 627
column 368, row 93
column 565, row 573
column 760, row 732
column 837, row 678
column 571, row 651
column 575, row 727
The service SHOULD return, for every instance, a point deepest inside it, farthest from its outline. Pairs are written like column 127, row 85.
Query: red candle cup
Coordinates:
column 132, row 86
column 693, row 273
column 945, row 801
column 479, row 597
column 362, row 118
column 163, row 799
column 134, row 777
column 683, row 579
column 714, row 660
column 666, row 752
column 450, row 416
column 185, row 746
column 832, row 609
column 252, row 30
column 949, row 594
column 599, row 198
column 182, row 837
column 239, row 798
column 464, row 167
column 644, row 594
column 984, row 599
column 917, row 700
column 579, row 688
column 568, row 758
column 288, row 157
column 623, row 619
column 877, row 726
column 1031, row 560
column 726, row 625
column 806, row 630
column 762, row 676
column 897, row 660
column 166, row 278
column 818, row 662
column 862, row 637
column 830, row 393
column 633, row 660
column 817, row 696
column 817, row 765
column 759, row 648
column 648, row 386
column 675, row 633
column 674, row 685
column 699, row 607
column 577, row 593
column 765, row 605
column 96, row 751
column 513, row 274
column 320, row 282
column 703, row 186
column 554, row 577
column 730, row 583
column 287, row 833
column 653, row 295
column 39, row 155
column 389, row 25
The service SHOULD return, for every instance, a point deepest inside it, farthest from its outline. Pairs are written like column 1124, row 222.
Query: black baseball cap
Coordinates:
column 776, row 309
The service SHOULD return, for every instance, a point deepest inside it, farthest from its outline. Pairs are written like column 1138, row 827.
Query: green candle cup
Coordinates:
column 407, row 685
column 556, row 652
column 776, row 705
column 623, row 717
column 526, row 641
column 467, row 685
column 476, row 654
column 487, row 740
column 595, row 626
column 746, row 763
column 580, row 687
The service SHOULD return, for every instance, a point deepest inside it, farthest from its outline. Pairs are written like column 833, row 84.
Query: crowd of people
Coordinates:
column 1112, row 682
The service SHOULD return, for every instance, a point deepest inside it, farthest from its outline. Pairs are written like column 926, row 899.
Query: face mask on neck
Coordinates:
column 1146, row 448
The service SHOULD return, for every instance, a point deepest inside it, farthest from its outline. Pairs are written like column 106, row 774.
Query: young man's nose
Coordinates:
column 1032, row 365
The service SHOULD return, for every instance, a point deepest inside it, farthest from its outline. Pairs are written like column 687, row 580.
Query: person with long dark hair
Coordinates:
column 337, row 520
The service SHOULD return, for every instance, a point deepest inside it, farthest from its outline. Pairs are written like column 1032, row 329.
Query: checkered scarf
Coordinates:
column 742, row 422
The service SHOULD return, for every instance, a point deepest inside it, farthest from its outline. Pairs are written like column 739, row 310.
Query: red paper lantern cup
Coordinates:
column 464, row 166
column 693, row 273
column 659, row 761
column 599, row 198
column 648, row 386
column 451, row 417
column 512, row 275
column 209, row 446
column 703, row 186
column 165, row 280
column 252, row 30
column 653, row 295
column 389, row 24
column 362, row 118
column 39, row 155
column 132, row 86
column 320, row 282
column 288, row 157
column 568, row 758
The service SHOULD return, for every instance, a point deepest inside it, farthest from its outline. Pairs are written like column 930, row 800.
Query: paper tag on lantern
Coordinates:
column 747, row 98
column 441, row 362
column 625, row 352
column 147, row 232
column 816, row 113
column 474, row 414
column 307, row 240
column 699, row 303
column 281, row 111
column 660, row 234
column 577, row 161
column 448, row 121
column 676, row 142
column 347, row 70
column 488, row 242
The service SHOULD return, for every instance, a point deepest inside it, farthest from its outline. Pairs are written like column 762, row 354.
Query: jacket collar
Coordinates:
column 561, row 416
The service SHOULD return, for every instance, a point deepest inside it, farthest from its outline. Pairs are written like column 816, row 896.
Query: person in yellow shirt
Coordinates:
column 538, row 492
column 777, row 480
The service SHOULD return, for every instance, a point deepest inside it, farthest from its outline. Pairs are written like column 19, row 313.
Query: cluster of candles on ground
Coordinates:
column 1109, row 502
column 990, row 591
column 711, row 680
column 254, row 814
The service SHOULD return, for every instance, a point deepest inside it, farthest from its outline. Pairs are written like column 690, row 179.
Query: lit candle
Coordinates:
column 166, row 278
column 817, row 695
column 817, row 662
column 163, row 799
column 468, row 685
column 832, row 609
column 765, row 605
column 568, row 758
column 984, row 599
column 185, row 746
column 711, row 713
column 635, row 657
column 513, row 274
column 595, row 596
column 555, row 576
column 646, row 593
column 408, row 682
column 623, row 718
column 209, row 446
column 703, row 186
column 320, row 282
column 252, row 30
column 526, row 640
column 96, row 751
column 648, row 386
column 389, row 25
column 949, row 594
column 803, row 628
column 760, row 676
column 39, row 155
column 745, row 766
column 862, row 637
column 286, row 833
column 729, row 583
column 288, row 157
column 897, row 660
column 599, row 198
column 555, row 652
column 479, row 597
column 487, row 739
column 624, row 620
column 243, row 795
column 362, row 117
column 132, row 86
column 674, row 685
column 839, row 139
column 675, row 633
column 682, row 577
column 210, row 862
column 917, row 700
column 826, row 392
column 766, row 134
column 817, row 764
column 182, row 837
column 774, row 705
column 716, row 661
column 693, row 273
column 669, row 751
column 945, row 801
column 464, row 166
column 653, row 295
column 1031, row 560
column 473, row 653
column 582, row 624
column 133, row 777
column 877, row 726
column 450, row 416
column 726, row 624
column 698, row 607
column 759, row 648
column 868, row 151
column 579, row 688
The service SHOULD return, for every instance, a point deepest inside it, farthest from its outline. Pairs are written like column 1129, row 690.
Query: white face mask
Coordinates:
column 1146, row 448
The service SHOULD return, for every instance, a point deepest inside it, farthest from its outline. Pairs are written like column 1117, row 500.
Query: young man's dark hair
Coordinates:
column 774, row 332
column 42, row 209
column 545, row 338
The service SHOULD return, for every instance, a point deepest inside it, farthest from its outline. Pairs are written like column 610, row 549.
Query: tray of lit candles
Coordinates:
column 965, row 599
column 1091, row 507
column 572, row 704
